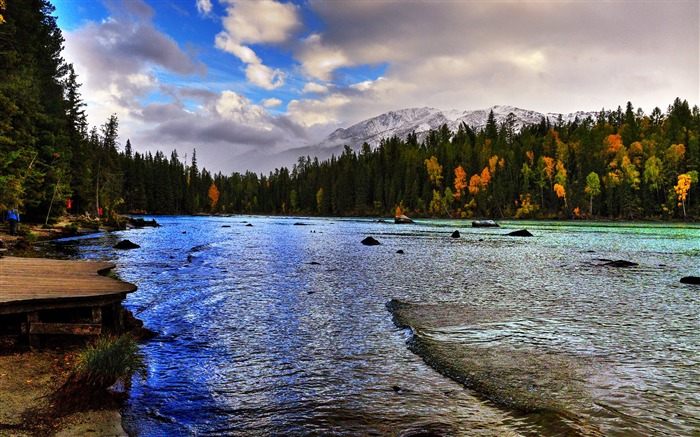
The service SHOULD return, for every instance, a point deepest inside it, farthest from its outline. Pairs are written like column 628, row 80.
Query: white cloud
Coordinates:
column 257, row 22
column 272, row 103
column 314, row 87
column 204, row 6
column 309, row 112
column 320, row 61
column 224, row 42
column 264, row 76
column 262, row 21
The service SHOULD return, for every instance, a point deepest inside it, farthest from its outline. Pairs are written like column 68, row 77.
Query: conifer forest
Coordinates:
column 619, row 164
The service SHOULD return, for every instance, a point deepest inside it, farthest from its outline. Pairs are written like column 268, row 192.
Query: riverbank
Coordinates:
column 29, row 376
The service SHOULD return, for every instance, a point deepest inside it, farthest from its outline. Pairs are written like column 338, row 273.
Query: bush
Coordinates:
column 98, row 367
column 108, row 360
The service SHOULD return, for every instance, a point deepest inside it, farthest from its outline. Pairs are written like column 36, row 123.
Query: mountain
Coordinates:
column 421, row 120
column 402, row 122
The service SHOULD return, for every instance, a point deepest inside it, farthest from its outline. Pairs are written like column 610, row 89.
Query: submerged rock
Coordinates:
column 369, row 241
column 455, row 234
column 690, row 280
column 126, row 244
column 619, row 263
column 520, row 233
column 485, row 224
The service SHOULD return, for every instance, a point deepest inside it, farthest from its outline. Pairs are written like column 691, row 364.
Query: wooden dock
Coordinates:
column 50, row 297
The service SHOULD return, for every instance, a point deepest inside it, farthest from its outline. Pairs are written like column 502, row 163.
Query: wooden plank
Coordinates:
column 53, row 304
column 65, row 328
column 38, row 281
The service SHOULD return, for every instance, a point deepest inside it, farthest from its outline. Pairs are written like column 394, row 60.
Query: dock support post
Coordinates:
column 34, row 340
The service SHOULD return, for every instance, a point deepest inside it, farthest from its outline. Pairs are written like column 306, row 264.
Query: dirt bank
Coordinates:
column 26, row 379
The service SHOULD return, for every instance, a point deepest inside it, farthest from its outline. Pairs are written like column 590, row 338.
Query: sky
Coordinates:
column 243, row 81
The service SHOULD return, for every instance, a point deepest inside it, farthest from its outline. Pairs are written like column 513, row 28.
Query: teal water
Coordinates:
column 282, row 329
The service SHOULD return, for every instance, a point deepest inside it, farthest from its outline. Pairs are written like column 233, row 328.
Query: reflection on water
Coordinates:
column 282, row 329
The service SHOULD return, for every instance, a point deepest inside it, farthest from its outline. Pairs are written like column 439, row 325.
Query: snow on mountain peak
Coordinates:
column 402, row 122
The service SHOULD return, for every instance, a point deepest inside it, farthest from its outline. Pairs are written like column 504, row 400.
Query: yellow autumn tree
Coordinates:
column 434, row 171
column 460, row 181
column 682, row 189
column 2, row 8
column 213, row 196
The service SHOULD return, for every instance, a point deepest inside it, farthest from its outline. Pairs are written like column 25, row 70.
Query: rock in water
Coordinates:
column 691, row 280
column 126, row 244
column 455, row 234
column 485, row 224
column 620, row 263
column 369, row 241
column 402, row 220
column 400, row 251
column 520, row 233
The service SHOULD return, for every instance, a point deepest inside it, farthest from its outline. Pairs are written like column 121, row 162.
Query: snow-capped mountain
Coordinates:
column 421, row 120
column 402, row 122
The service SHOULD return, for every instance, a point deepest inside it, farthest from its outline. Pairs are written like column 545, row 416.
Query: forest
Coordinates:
column 620, row 164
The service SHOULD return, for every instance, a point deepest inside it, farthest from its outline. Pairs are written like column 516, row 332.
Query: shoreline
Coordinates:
column 28, row 376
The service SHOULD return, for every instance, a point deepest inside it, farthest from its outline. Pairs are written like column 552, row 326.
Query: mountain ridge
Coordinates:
column 421, row 120
column 402, row 122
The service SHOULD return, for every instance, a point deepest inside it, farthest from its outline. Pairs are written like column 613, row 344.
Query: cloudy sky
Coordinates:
column 242, row 81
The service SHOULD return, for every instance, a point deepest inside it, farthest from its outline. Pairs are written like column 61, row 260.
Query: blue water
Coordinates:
column 282, row 329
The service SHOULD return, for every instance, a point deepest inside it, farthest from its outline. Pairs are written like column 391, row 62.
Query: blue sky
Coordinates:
column 243, row 81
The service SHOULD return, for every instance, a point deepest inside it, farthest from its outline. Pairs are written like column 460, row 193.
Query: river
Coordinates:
column 290, row 326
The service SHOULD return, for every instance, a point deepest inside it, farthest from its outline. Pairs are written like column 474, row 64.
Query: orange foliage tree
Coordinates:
column 213, row 196
column 460, row 181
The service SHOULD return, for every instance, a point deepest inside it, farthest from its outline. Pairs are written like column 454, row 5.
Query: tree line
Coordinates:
column 618, row 164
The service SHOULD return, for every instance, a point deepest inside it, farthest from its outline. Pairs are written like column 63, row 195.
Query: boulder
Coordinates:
column 455, row 234
column 520, row 233
column 402, row 220
column 485, row 224
column 141, row 222
column 369, row 241
column 249, row 225
column 691, row 280
column 619, row 263
column 126, row 244
column 400, row 251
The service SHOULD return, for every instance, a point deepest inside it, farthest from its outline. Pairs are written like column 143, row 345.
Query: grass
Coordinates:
column 109, row 360
column 100, row 366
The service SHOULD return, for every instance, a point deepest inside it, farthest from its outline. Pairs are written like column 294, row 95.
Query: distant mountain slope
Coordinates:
column 402, row 122
column 421, row 120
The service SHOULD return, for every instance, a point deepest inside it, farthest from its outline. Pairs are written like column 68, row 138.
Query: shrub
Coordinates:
column 98, row 367
column 108, row 360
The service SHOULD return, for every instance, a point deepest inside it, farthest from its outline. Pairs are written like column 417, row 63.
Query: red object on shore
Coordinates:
column 69, row 204
column 99, row 212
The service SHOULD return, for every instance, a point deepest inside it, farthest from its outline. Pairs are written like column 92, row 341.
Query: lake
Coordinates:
column 290, row 326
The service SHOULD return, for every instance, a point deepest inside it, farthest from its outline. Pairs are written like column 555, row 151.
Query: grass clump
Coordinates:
column 100, row 366
column 109, row 360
